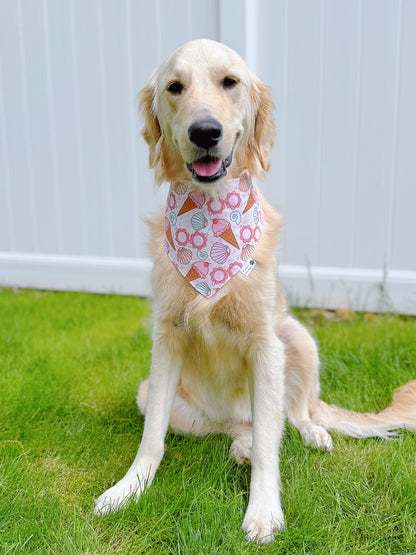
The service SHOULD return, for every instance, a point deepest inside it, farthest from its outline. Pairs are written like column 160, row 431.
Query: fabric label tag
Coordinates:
column 248, row 266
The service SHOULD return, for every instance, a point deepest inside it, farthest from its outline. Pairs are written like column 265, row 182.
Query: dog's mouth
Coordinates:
column 209, row 169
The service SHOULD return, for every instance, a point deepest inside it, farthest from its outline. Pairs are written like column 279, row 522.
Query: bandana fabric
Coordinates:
column 210, row 239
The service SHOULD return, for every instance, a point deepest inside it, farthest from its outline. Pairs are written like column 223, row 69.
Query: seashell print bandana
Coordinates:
column 210, row 239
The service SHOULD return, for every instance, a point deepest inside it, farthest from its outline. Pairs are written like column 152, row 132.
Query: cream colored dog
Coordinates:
column 235, row 362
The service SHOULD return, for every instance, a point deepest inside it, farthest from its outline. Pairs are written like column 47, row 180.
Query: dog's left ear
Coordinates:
column 151, row 130
column 161, row 158
column 263, row 135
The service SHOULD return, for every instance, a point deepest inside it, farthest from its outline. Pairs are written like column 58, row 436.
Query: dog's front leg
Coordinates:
column 264, row 516
column 164, row 377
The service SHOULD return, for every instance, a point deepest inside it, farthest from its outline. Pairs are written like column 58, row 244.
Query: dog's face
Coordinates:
column 206, row 115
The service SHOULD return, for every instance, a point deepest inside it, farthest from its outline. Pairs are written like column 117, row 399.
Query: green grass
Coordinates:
column 70, row 365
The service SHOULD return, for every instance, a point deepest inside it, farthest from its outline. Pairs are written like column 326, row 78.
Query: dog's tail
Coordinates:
column 400, row 414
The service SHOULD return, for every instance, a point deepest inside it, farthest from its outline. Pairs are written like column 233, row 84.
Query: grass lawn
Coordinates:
column 70, row 365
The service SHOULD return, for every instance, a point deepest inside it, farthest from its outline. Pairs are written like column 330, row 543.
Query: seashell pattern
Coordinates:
column 202, row 255
column 245, row 183
column 203, row 288
column 181, row 188
column 256, row 215
column 172, row 218
column 235, row 217
column 247, row 251
column 219, row 253
column 184, row 256
column 198, row 221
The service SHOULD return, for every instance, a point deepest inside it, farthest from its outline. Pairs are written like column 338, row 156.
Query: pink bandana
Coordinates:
column 210, row 239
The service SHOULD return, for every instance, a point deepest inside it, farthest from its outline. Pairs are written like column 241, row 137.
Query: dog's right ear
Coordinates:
column 151, row 130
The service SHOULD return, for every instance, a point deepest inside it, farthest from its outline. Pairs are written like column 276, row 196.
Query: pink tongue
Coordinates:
column 207, row 169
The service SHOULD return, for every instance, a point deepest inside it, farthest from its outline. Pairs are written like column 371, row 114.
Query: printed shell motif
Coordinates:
column 247, row 252
column 180, row 188
column 220, row 253
column 199, row 221
column 184, row 256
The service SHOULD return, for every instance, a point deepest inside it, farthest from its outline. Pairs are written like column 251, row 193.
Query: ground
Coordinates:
column 70, row 365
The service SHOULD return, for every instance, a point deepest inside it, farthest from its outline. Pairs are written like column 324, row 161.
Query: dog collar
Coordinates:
column 211, row 238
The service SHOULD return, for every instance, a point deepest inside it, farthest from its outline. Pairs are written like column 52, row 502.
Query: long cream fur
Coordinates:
column 235, row 363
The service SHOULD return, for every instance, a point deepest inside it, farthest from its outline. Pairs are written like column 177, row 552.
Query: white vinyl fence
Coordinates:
column 74, row 185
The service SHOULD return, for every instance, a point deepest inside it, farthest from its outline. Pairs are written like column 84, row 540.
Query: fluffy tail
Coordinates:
column 400, row 414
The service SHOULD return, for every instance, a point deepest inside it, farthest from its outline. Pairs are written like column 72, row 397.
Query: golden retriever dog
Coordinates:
column 226, row 356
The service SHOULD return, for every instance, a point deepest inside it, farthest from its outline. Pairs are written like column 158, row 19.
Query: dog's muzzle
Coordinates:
column 206, row 135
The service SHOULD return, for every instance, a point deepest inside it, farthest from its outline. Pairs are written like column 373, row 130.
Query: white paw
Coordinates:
column 316, row 436
column 262, row 524
column 241, row 448
column 114, row 498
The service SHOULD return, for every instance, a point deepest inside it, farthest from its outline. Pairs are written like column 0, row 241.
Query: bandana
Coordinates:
column 211, row 239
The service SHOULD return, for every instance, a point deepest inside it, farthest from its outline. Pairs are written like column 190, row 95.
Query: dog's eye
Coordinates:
column 175, row 87
column 229, row 83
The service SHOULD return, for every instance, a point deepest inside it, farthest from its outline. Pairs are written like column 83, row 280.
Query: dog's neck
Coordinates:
column 210, row 238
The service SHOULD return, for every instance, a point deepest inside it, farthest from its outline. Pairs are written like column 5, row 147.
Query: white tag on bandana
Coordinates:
column 210, row 239
column 248, row 267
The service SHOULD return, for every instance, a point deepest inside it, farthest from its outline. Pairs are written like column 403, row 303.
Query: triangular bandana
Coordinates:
column 210, row 239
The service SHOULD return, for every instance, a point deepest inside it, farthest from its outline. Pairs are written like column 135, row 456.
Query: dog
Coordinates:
column 226, row 355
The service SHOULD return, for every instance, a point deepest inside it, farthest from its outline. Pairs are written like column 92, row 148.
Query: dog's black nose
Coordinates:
column 205, row 133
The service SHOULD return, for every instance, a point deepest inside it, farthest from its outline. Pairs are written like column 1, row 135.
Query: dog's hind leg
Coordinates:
column 243, row 441
column 302, row 382
column 185, row 418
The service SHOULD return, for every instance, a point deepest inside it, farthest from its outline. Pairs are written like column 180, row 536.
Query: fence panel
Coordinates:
column 75, row 188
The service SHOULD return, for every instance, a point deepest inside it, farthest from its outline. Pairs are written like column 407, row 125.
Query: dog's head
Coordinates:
column 206, row 115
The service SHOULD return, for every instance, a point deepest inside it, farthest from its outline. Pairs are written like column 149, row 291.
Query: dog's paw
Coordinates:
column 262, row 524
column 241, row 449
column 118, row 496
column 316, row 436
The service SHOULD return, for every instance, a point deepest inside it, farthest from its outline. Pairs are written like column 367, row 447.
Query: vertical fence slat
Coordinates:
column 404, row 228
column 7, row 240
column 133, row 126
column 79, row 173
column 396, row 115
column 52, row 129
column 34, row 231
